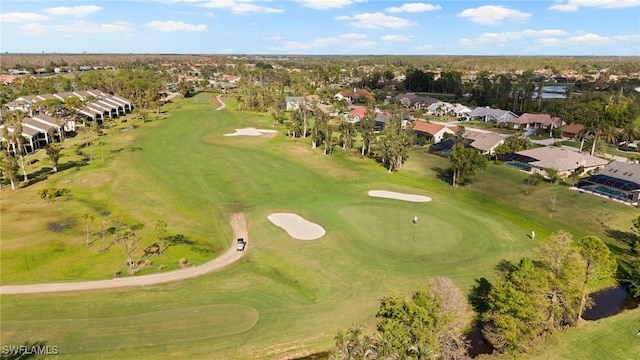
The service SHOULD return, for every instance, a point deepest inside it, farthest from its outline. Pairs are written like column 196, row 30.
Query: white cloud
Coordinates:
column 170, row 26
column 352, row 36
column 574, row 5
column 413, row 8
column 33, row 29
column 494, row 15
column 82, row 10
column 564, row 7
column 21, row 17
column 551, row 42
column 590, row 39
column 343, row 40
column 634, row 37
column 502, row 37
column 395, row 38
column 240, row 7
column 376, row 21
column 326, row 4
column 90, row 27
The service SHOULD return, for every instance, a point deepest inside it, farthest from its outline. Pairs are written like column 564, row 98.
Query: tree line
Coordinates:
column 527, row 300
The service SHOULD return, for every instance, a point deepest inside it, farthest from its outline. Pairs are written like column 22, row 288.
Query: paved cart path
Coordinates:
column 239, row 224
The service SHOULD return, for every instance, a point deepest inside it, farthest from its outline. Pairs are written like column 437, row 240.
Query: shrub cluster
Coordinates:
column 52, row 193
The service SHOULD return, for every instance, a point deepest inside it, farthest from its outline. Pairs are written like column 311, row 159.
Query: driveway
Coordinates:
column 239, row 224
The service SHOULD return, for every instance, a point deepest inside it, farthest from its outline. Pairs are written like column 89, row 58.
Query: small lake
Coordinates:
column 609, row 302
column 552, row 92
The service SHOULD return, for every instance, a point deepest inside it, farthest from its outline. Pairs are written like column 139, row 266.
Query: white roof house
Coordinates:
column 488, row 114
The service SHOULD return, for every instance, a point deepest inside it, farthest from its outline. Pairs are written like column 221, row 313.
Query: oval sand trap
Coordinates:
column 399, row 196
column 296, row 226
column 252, row 132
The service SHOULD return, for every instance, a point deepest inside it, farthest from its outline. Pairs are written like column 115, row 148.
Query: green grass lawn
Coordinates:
column 611, row 338
column 284, row 297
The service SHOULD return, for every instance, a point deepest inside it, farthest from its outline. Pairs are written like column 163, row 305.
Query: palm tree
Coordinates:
column 629, row 133
column 14, row 120
column 53, row 151
column 10, row 168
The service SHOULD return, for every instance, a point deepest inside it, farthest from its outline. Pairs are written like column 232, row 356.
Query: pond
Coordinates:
column 478, row 345
column 552, row 92
column 609, row 302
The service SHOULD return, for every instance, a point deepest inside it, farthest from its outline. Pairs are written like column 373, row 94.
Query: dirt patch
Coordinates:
column 95, row 180
column 122, row 139
column 300, row 150
column 62, row 226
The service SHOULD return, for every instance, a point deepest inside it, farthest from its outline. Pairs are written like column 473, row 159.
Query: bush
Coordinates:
column 52, row 193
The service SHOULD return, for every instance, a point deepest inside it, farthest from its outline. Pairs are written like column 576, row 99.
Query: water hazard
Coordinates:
column 609, row 302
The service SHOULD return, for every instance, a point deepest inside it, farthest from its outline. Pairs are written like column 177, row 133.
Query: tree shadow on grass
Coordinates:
column 626, row 237
column 44, row 172
column 444, row 175
column 478, row 296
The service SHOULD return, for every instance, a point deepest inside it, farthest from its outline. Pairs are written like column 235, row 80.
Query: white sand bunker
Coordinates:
column 399, row 196
column 296, row 226
column 252, row 132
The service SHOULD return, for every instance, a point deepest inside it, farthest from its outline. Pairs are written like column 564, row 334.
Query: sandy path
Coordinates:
column 239, row 224
column 222, row 104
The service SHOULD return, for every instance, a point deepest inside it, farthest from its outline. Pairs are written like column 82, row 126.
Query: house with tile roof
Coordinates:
column 487, row 114
column 431, row 131
column 485, row 143
column 536, row 121
column 572, row 131
column 564, row 161
column 439, row 108
column 356, row 114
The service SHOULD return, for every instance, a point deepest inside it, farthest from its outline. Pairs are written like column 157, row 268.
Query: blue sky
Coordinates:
column 317, row 27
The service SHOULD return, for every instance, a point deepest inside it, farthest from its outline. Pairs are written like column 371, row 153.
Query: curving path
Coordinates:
column 239, row 224
column 222, row 104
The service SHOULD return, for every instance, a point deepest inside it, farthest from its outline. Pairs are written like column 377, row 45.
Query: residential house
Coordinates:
column 293, row 102
column 345, row 95
column 572, row 131
column 460, row 110
column 564, row 161
column 528, row 121
column 414, row 101
column 431, row 131
column 382, row 118
column 356, row 114
column 439, row 108
column 35, row 135
column 485, row 143
column 487, row 114
column 357, row 95
column 617, row 181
